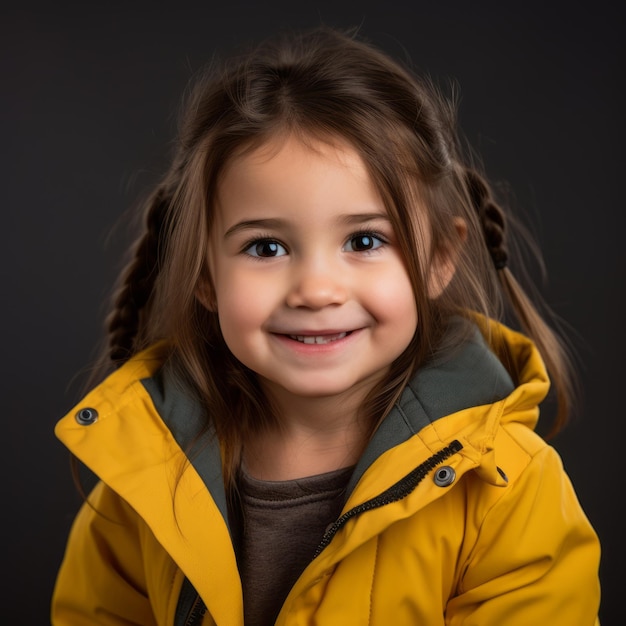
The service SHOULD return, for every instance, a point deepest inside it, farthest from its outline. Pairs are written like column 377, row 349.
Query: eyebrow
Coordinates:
column 349, row 219
column 360, row 218
column 251, row 224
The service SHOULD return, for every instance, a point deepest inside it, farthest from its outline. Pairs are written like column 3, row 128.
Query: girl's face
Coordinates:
column 310, row 288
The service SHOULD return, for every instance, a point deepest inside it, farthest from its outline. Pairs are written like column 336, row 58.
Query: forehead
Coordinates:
column 288, row 181
column 301, row 145
column 275, row 163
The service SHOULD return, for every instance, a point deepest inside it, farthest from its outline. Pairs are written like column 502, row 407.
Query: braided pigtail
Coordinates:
column 124, row 323
column 553, row 349
column 491, row 216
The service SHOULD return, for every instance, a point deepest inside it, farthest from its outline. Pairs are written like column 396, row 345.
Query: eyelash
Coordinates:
column 268, row 239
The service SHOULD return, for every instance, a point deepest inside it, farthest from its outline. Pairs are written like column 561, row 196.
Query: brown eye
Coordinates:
column 265, row 248
column 363, row 242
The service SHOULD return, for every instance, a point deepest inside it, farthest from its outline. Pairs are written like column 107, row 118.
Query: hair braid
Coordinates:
column 491, row 216
column 136, row 283
column 553, row 347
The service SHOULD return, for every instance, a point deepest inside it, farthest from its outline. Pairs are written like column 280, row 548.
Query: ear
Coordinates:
column 445, row 261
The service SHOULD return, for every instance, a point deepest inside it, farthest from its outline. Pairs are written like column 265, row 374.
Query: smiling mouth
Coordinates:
column 320, row 339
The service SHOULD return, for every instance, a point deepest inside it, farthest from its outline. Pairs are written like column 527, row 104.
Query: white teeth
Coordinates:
column 318, row 338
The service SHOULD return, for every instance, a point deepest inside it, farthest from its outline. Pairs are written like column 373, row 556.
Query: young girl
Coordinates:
column 315, row 416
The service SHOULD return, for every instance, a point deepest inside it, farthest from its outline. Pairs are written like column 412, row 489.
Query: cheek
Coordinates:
column 392, row 299
column 237, row 322
column 393, row 306
column 243, row 303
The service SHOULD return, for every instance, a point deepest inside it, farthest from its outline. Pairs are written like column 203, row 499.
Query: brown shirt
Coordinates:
column 282, row 523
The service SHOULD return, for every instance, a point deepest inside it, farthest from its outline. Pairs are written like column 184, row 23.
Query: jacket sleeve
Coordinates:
column 101, row 579
column 536, row 557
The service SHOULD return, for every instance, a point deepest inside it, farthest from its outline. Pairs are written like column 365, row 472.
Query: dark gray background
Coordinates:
column 89, row 97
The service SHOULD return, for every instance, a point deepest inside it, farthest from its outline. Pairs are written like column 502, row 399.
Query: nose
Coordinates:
column 317, row 284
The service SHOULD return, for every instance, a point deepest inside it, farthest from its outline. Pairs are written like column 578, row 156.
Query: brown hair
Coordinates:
column 327, row 85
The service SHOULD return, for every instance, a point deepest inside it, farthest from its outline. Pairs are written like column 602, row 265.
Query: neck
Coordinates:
column 313, row 436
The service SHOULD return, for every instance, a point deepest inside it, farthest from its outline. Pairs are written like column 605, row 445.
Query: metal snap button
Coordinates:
column 86, row 416
column 444, row 476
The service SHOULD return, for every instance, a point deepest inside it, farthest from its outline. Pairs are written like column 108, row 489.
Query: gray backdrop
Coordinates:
column 89, row 99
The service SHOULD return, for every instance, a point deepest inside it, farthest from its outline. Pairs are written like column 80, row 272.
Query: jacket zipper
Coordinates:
column 190, row 609
column 396, row 492
column 197, row 612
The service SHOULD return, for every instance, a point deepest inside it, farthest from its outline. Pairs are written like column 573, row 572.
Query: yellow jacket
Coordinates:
column 457, row 513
